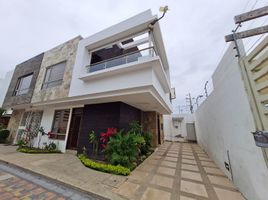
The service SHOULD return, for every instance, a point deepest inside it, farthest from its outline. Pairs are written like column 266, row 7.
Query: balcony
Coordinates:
column 122, row 59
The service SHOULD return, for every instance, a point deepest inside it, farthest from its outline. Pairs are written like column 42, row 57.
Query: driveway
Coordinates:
column 178, row 171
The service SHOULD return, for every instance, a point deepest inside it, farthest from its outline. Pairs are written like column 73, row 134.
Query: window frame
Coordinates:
column 18, row 84
column 49, row 81
column 57, row 136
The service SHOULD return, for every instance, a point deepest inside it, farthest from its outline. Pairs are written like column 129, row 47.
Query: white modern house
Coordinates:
column 109, row 79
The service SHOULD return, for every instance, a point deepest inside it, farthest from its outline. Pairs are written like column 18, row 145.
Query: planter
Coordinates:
column 261, row 138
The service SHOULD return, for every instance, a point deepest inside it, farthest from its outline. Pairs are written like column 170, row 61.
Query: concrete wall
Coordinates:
column 64, row 52
column 30, row 66
column 224, row 123
column 4, row 84
column 14, row 123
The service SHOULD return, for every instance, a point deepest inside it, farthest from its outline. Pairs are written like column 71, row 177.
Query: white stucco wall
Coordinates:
column 4, row 84
column 224, row 122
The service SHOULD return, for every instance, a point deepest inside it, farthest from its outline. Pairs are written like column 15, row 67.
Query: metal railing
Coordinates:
column 122, row 59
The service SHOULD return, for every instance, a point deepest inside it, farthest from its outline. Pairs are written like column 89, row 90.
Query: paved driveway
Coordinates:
column 178, row 171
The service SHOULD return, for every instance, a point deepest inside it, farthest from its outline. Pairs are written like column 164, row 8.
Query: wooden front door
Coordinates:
column 74, row 128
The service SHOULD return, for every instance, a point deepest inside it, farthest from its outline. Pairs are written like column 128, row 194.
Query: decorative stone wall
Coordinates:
column 30, row 66
column 64, row 52
column 14, row 123
column 150, row 125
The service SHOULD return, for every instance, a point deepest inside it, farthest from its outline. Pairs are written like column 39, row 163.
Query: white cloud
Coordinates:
column 193, row 31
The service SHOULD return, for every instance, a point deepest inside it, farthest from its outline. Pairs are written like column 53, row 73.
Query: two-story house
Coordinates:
column 112, row 78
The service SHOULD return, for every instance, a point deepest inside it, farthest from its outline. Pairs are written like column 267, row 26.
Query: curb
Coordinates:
column 55, row 181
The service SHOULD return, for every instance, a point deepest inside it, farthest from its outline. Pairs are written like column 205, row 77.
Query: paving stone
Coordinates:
column 162, row 181
column 220, row 181
column 188, row 157
column 151, row 193
column 187, row 161
column 193, row 188
column 186, row 198
column 208, row 164
column 223, row 194
column 127, row 189
column 167, row 171
column 191, row 175
column 138, row 175
column 169, row 164
column 189, row 167
column 171, row 159
column 215, row 171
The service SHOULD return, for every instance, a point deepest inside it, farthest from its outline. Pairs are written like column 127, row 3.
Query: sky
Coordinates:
column 193, row 32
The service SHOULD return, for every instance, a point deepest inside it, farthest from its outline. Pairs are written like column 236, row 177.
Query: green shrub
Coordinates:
column 118, row 169
column 21, row 143
column 147, row 147
column 36, row 150
column 124, row 149
column 4, row 133
column 51, row 146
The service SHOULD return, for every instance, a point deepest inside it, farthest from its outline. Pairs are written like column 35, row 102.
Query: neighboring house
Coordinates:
column 4, row 84
column 109, row 79
column 179, row 126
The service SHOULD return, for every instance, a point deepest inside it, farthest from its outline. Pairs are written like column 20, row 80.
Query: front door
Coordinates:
column 74, row 128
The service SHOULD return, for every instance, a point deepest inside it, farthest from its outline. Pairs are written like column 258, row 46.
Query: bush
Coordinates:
column 147, row 147
column 51, row 146
column 36, row 150
column 118, row 169
column 4, row 133
column 124, row 149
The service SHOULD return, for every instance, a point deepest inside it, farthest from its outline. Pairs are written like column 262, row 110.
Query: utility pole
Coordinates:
column 189, row 100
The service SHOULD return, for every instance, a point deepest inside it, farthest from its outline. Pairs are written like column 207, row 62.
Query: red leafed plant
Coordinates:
column 106, row 135
column 50, row 135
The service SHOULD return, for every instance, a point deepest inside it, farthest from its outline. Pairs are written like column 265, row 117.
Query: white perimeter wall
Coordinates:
column 224, row 122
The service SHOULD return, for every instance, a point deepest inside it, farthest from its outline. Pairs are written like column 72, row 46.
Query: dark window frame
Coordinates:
column 45, row 84
column 57, row 135
column 17, row 91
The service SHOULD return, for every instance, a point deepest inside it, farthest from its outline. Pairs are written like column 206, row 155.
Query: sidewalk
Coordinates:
column 176, row 171
column 65, row 168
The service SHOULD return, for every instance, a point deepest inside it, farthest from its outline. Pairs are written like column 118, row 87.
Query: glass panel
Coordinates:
column 96, row 67
column 60, row 123
column 54, row 75
column 116, row 62
column 23, row 85
column 24, row 118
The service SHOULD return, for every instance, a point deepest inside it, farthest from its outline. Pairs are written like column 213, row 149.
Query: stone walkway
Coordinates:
column 178, row 171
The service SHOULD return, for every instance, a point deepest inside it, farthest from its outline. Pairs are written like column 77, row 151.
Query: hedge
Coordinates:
column 36, row 150
column 118, row 169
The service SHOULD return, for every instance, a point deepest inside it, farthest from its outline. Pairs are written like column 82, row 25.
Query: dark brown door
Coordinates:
column 74, row 128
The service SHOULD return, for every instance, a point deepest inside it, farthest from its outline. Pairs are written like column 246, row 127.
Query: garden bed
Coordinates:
column 114, row 169
column 36, row 150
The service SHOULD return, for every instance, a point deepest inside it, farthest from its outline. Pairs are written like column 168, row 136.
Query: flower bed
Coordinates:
column 114, row 169
column 36, row 150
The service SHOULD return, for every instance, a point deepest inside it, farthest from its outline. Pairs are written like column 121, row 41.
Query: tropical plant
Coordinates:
column 21, row 143
column 105, row 136
column 94, row 141
column 51, row 146
column 147, row 147
column 4, row 133
column 135, row 128
column 123, row 149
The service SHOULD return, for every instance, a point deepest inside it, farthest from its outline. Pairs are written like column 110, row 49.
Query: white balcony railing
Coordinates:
column 121, row 60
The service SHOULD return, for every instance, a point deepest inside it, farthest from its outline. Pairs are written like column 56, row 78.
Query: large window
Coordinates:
column 54, row 75
column 59, row 127
column 23, row 85
column 138, row 47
